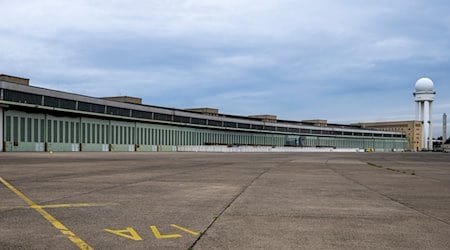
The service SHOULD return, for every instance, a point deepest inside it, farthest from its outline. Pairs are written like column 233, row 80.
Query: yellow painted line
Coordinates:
column 58, row 225
column 69, row 205
column 160, row 236
column 185, row 229
column 77, row 205
column 128, row 233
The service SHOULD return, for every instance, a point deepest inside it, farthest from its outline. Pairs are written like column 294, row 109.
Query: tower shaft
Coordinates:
column 424, row 97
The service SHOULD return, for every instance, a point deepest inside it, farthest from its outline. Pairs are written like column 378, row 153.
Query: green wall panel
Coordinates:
column 29, row 131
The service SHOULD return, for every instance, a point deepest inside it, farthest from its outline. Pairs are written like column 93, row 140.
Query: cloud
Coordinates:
column 243, row 61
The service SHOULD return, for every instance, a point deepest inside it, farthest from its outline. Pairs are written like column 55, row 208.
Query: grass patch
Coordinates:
column 390, row 169
column 374, row 165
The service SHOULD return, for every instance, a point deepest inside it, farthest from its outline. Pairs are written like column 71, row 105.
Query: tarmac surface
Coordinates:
column 225, row 201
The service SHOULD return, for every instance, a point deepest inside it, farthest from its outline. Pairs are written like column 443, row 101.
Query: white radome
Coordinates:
column 424, row 84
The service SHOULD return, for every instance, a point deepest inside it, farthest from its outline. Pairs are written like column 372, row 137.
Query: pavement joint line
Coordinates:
column 57, row 224
column 386, row 196
column 64, row 205
column 228, row 205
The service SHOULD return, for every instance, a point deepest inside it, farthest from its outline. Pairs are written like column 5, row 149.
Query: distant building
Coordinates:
column 39, row 119
column 412, row 130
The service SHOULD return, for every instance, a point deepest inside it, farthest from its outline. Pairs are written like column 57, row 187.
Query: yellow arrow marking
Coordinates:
column 58, row 225
column 160, row 236
column 128, row 233
column 185, row 229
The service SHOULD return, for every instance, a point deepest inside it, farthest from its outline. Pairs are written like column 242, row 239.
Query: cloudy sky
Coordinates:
column 341, row 60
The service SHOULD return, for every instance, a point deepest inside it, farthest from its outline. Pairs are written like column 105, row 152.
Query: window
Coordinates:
column 259, row 127
column 181, row 119
column 129, row 136
column 83, row 132
column 326, row 132
column 8, row 128
column 72, row 132
column 102, row 134
column 16, row 96
column 55, row 131
column 15, row 128
column 337, row 132
column 59, row 103
column 293, row 130
column 198, row 121
column 91, row 107
column 305, row 131
column 42, row 131
column 270, row 128
column 36, row 130
column 29, row 129
column 214, row 123
column 98, row 133
column 113, row 135
column 163, row 117
column 22, row 129
column 77, row 129
column 282, row 129
column 121, row 135
column 142, row 114
column 61, row 127
column 49, row 131
column 88, row 132
column 229, row 124
column 138, row 136
column 117, row 111
column 94, row 133
column 66, row 134
column 107, row 140
column 244, row 125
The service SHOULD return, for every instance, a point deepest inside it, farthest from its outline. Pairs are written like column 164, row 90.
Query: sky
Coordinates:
column 344, row 61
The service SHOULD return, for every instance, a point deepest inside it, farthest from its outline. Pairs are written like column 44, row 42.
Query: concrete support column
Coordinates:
column 426, row 124
column 1, row 129
column 417, row 111
column 430, row 130
column 422, row 111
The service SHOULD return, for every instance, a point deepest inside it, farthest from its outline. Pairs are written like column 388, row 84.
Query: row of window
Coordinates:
column 58, row 131
column 28, row 129
column 353, row 143
column 24, row 129
column 15, row 96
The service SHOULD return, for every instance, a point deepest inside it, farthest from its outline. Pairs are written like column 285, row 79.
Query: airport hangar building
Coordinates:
column 38, row 119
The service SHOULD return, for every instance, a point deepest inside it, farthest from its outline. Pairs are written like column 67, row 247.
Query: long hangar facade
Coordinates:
column 39, row 119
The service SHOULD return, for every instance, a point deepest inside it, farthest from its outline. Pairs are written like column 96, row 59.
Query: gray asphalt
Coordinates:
column 234, row 201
